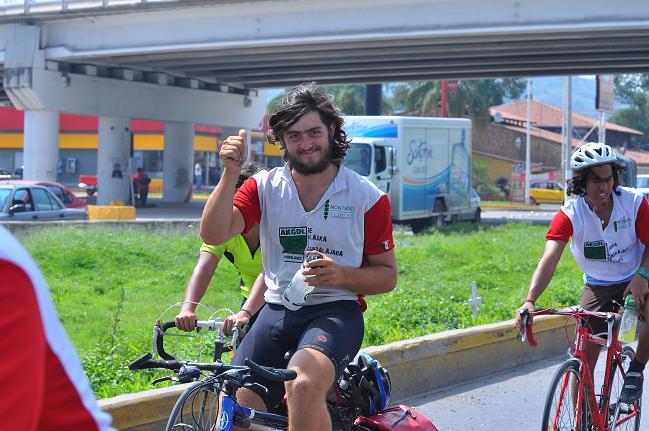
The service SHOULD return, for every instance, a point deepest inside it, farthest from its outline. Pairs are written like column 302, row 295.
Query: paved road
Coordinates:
column 192, row 211
column 541, row 215
column 510, row 400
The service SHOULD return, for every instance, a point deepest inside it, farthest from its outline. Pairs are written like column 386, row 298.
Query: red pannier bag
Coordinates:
column 398, row 418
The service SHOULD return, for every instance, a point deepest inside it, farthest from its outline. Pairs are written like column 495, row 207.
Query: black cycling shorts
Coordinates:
column 335, row 329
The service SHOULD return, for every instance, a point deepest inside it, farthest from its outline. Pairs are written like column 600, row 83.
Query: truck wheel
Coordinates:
column 533, row 201
column 439, row 208
column 477, row 219
column 419, row 225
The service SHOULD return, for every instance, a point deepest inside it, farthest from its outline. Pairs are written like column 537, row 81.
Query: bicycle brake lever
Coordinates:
column 164, row 379
column 524, row 315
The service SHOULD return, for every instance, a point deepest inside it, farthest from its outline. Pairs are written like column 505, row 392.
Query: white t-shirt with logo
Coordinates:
column 610, row 255
column 351, row 220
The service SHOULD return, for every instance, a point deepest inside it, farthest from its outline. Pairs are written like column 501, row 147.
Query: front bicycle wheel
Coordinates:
column 197, row 408
column 560, row 411
column 622, row 417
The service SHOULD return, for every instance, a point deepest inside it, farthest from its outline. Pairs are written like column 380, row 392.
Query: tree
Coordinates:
column 274, row 101
column 633, row 89
column 472, row 98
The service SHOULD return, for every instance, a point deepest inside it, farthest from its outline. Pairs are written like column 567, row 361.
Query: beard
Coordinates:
column 310, row 169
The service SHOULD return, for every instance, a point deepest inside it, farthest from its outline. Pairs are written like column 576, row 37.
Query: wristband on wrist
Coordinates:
column 643, row 272
column 247, row 312
column 529, row 300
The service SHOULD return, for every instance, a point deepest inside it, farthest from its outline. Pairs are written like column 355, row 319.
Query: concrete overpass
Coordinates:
column 202, row 61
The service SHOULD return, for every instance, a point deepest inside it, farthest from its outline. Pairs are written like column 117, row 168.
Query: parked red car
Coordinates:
column 66, row 196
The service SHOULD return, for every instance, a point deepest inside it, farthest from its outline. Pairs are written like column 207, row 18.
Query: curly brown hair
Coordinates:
column 577, row 184
column 301, row 100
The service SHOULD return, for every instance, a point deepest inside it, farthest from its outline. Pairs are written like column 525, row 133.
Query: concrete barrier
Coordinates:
column 178, row 226
column 416, row 366
column 111, row 212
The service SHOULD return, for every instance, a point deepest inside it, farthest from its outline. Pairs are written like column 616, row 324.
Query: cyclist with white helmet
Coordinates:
column 609, row 226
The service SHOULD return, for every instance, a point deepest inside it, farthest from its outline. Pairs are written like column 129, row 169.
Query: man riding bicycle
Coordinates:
column 312, row 204
column 609, row 226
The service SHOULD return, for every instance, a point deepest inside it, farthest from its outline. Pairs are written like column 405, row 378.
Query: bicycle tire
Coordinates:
column 196, row 409
column 560, row 412
column 620, row 412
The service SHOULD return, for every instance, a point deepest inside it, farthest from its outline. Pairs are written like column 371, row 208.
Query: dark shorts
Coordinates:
column 335, row 329
column 602, row 298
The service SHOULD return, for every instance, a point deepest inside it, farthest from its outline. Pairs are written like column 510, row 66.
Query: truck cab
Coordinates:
column 373, row 159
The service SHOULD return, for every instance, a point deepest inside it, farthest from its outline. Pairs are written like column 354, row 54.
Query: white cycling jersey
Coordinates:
column 351, row 220
column 610, row 255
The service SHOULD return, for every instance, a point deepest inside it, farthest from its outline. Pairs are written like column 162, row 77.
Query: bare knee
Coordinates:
column 304, row 387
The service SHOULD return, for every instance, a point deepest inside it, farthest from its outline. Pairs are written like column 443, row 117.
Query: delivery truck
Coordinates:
column 422, row 164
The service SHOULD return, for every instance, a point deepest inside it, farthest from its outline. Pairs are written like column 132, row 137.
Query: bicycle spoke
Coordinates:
column 196, row 409
column 560, row 409
column 622, row 416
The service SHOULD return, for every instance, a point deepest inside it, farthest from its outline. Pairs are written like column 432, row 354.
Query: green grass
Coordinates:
column 109, row 286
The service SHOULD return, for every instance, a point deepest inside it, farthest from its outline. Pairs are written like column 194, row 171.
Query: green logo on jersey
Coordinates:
column 293, row 239
column 623, row 223
column 595, row 250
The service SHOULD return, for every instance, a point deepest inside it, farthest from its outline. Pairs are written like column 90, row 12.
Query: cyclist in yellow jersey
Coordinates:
column 244, row 253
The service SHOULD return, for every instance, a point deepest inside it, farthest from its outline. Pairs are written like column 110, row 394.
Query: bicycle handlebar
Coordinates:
column 249, row 368
column 159, row 330
column 612, row 320
column 274, row 374
column 528, row 334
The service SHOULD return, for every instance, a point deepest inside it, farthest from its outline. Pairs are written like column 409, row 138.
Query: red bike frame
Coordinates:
column 599, row 415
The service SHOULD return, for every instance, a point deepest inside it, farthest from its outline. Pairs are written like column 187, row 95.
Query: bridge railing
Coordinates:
column 16, row 7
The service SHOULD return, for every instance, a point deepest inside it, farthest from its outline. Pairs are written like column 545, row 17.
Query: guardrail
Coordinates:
column 16, row 7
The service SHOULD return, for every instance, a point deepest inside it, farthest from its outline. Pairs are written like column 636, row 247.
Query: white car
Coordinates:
column 643, row 185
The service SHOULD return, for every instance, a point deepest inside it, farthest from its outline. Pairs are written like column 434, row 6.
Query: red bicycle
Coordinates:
column 572, row 403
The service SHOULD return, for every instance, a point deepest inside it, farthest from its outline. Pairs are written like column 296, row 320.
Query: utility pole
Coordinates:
column 444, row 109
column 567, row 128
column 528, row 144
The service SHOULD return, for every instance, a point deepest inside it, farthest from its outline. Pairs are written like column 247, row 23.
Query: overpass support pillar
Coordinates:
column 113, row 173
column 41, row 150
column 177, row 162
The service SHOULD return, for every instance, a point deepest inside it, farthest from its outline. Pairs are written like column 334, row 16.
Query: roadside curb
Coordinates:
column 506, row 208
column 416, row 366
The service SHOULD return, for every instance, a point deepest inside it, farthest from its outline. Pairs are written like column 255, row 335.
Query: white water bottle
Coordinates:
column 297, row 291
column 629, row 322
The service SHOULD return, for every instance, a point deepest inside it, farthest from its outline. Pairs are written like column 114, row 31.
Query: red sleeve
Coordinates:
column 247, row 201
column 23, row 347
column 560, row 227
column 378, row 228
column 642, row 222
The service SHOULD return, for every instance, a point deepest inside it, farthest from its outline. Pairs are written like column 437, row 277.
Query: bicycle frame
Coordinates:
column 599, row 411
column 260, row 421
column 586, row 382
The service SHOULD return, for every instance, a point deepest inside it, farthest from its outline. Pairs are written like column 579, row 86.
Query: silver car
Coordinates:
column 34, row 203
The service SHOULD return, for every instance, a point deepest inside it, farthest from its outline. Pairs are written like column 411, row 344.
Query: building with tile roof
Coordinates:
column 501, row 144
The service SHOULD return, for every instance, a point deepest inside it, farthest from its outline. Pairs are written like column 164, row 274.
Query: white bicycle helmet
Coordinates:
column 592, row 154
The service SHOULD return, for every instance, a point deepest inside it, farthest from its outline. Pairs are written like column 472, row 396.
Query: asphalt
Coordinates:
column 509, row 400
column 157, row 210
